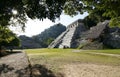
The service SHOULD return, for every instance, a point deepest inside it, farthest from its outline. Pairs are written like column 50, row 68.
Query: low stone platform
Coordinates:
column 14, row 65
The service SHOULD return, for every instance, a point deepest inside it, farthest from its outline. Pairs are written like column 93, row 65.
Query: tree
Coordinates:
column 17, row 11
column 89, row 22
column 101, row 9
column 47, row 41
column 13, row 11
column 6, row 34
column 8, row 38
column 15, row 42
column 94, row 17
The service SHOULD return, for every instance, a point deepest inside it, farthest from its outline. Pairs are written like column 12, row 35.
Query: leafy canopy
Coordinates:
column 17, row 11
column 6, row 34
column 8, row 38
column 100, row 9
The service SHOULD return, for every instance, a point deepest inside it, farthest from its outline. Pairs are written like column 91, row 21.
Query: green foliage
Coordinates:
column 97, row 9
column 73, row 7
column 82, row 45
column 115, row 22
column 52, row 9
column 7, row 16
column 28, row 42
column 15, row 42
column 48, row 41
column 40, row 9
column 48, row 35
column 16, row 12
column 6, row 34
column 89, row 22
column 7, row 37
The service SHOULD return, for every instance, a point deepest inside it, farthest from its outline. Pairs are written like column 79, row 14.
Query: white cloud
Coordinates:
column 34, row 27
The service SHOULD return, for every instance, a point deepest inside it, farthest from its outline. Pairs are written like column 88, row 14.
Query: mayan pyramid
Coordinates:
column 65, row 39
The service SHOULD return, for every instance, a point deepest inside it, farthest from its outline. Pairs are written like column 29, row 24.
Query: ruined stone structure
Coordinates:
column 72, row 32
column 93, row 38
column 97, row 37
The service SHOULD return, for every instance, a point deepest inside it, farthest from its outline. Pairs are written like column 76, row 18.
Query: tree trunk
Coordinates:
column 0, row 50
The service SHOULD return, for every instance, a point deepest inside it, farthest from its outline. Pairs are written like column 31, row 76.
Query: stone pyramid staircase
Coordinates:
column 67, row 37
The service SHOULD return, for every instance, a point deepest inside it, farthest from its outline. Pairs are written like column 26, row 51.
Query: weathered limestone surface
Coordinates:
column 112, row 38
column 97, row 37
column 93, row 38
column 66, row 38
column 101, row 35
column 14, row 65
column 96, row 31
column 57, row 41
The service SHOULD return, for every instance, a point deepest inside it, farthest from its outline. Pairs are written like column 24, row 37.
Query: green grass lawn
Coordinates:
column 64, row 56
column 55, row 59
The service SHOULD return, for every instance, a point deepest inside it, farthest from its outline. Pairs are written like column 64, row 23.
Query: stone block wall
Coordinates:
column 66, row 38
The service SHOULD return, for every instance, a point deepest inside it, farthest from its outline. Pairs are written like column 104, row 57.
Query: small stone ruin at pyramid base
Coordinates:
column 97, row 37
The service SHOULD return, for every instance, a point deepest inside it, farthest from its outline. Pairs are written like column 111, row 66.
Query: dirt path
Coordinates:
column 91, row 70
column 106, row 54
column 98, row 53
column 14, row 65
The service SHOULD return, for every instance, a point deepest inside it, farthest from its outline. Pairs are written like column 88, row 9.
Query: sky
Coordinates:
column 34, row 27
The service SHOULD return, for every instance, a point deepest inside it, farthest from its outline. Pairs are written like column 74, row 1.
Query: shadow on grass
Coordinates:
column 37, row 71
column 42, row 71
column 26, row 72
column 5, row 68
column 34, row 71
column 6, row 53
